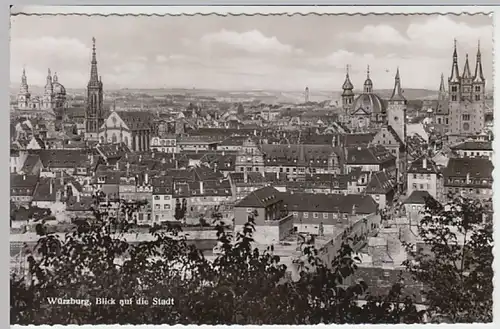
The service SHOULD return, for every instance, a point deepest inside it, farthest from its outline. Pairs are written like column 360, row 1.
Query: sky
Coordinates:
column 248, row 53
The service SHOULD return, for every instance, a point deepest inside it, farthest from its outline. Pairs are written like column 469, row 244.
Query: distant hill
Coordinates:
column 270, row 96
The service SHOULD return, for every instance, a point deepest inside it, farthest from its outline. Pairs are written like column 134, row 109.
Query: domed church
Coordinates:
column 54, row 96
column 365, row 112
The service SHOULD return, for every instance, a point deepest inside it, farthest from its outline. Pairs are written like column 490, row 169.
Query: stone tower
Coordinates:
column 466, row 103
column 49, row 92
column 347, row 94
column 94, row 102
column 396, row 109
column 23, row 96
column 306, row 95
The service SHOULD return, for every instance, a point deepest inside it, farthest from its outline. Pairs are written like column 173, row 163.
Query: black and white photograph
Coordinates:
column 293, row 169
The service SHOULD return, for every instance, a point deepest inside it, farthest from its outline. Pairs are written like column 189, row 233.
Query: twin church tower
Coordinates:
column 463, row 104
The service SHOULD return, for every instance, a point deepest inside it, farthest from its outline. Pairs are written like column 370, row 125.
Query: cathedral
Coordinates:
column 466, row 98
column 94, row 116
column 54, row 96
column 368, row 112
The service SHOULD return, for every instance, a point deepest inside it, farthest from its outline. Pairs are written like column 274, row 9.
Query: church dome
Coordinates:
column 57, row 87
column 369, row 103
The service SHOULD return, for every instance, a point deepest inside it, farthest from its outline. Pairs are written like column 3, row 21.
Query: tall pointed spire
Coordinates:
column 94, row 77
column 441, row 85
column 466, row 73
column 455, row 75
column 478, row 74
column 368, row 86
column 347, row 86
column 397, row 93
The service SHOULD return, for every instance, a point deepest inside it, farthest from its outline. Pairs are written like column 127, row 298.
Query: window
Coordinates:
column 421, row 186
column 477, row 88
column 157, row 207
column 325, row 215
column 414, row 176
column 414, row 186
column 295, row 214
column 466, row 117
column 466, row 126
column 166, row 207
column 306, row 215
column 315, row 214
column 454, row 89
column 166, row 197
column 477, row 97
column 454, row 98
column 157, row 197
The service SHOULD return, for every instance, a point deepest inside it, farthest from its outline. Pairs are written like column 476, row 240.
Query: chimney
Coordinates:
column 245, row 177
column 51, row 186
column 468, row 178
column 24, row 177
column 424, row 163
column 354, row 210
column 146, row 178
column 202, row 190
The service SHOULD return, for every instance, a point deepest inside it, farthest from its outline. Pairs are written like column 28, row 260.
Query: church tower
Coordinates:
column 306, row 95
column 454, row 79
column 347, row 95
column 478, row 82
column 24, row 95
column 49, row 92
column 466, row 103
column 396, row 109
column 442, row 89
column 94, row 103
column 466, row 81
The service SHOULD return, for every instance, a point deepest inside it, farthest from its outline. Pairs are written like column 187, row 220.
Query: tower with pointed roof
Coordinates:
column 94, row 102
column 478, row 81
column 23, row 96
column 466, row 99
column 48, row 95
column 466, row 81
column 396, row 109
column 442, row 89
column 347, row 94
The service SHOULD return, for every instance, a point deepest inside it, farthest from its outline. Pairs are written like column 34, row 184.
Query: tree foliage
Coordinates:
column 241, row 285
column 454, row 260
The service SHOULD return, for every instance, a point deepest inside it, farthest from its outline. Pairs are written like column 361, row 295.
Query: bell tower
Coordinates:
column 396, row 109
column 94, row 102
column 347, row 95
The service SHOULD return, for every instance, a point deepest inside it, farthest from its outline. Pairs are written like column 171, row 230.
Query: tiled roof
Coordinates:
column 418, row 197
column 474, row 146
column 368, row 155
column 63, row 158
column 23, row 184
column 380, row 183
column 261, row 198
column 475, row 167
column 84, row 204
column 417, row 166
column 355, row 139
column 137, row 120
column 30, row 162
column 331, row 203
column 297, row 154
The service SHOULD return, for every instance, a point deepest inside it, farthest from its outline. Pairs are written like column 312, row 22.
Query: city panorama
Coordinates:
column 279, row 169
